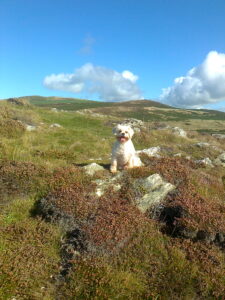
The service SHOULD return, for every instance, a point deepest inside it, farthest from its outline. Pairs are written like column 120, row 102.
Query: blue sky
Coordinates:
column 114, row 50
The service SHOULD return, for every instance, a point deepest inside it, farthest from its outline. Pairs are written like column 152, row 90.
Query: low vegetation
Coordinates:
column 60, row 241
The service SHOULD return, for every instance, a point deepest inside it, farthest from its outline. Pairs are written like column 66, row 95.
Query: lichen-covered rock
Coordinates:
column 30, row 127
column 219, row 136
column 179, row 131
column 151, row 152
column 202, row 145
column 205, row 161
column 55, row 125
column 152, row 191
column 134, row 123
column 220, row 160
column 19, row 101
column 104, row 185
column 92, row 168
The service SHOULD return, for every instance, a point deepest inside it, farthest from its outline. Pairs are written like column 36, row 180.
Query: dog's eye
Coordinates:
column 126, row 131
column 120, row 131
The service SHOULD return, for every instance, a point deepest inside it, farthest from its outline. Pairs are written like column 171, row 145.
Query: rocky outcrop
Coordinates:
column 179, row 131
column 114, row 183
column 151, row 152
column 151, row 192
column 55, row 125
column 220, row 160
column 19, row 101
column 219, row 136
column 92, row 168
column 205, row 161
column 30, row 127
column 136, row 124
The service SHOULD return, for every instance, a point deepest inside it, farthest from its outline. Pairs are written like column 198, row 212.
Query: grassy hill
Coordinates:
column 145, row 110
column 116, row 252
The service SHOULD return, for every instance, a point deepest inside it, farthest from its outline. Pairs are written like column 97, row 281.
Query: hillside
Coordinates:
column 146, row 110
column 72, row 230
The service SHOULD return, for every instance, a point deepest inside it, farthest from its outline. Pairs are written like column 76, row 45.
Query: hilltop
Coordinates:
column 71, row 230
column 201, row 120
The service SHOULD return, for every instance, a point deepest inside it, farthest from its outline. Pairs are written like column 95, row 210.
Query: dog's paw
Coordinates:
column 113, row 170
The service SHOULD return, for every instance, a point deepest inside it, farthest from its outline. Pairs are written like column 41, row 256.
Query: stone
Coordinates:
column 19, row 101
column 134, row 123
column 206, row 161
column 151, row 191
column 178, row 155
column 151, row 152
column 202, row 145
column 220, row 160
column 92, row 168
column 179, row 131
column 112, row 182
column 30, row 127
column 55, row 125
column 219, row 136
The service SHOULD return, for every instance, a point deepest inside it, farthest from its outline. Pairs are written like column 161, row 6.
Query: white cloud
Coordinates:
column 202, row 85
column 108, row 84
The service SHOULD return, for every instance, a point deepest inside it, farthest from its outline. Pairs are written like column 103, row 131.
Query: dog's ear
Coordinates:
column 131, row 132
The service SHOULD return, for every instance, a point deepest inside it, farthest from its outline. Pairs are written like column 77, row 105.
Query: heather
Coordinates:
column 62, row 240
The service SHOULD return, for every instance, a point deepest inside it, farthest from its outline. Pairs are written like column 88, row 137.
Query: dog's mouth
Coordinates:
column 122, row 139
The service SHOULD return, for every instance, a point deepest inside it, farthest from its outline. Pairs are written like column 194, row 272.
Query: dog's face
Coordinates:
column 123, row 133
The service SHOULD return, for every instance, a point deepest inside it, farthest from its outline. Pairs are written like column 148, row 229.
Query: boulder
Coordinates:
column 92, row 168
column 220, row 160
column 19, row 101
column 30, row 127
column 104, row 185
column 55, row 125
column 205, row 161
column 202, row 145
column 134, row 123
column 219, row 136
column 151, row 152
column 151, row 191
column 179, row 131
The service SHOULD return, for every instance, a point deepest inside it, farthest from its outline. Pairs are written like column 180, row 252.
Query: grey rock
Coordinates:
column 111, row 182
column 178, row 155
column 220, row 160
column 134, row 123
column 202, row 145
column 151, row 191
column 55, row 125
column 179, row 131
column 151, row 152
column 92, row 168
column 206, row 161
column 219, row 136
column 30, row 127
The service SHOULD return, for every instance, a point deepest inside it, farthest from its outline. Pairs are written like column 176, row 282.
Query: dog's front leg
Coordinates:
column 113, row 167
column 130, row 163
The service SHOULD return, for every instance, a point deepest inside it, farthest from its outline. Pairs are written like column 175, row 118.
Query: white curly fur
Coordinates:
column 123, row 152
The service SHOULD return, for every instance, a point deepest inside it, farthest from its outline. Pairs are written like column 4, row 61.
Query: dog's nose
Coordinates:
column 123, row 133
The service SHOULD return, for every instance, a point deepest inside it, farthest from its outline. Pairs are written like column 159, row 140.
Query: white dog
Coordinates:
column 123, row 152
